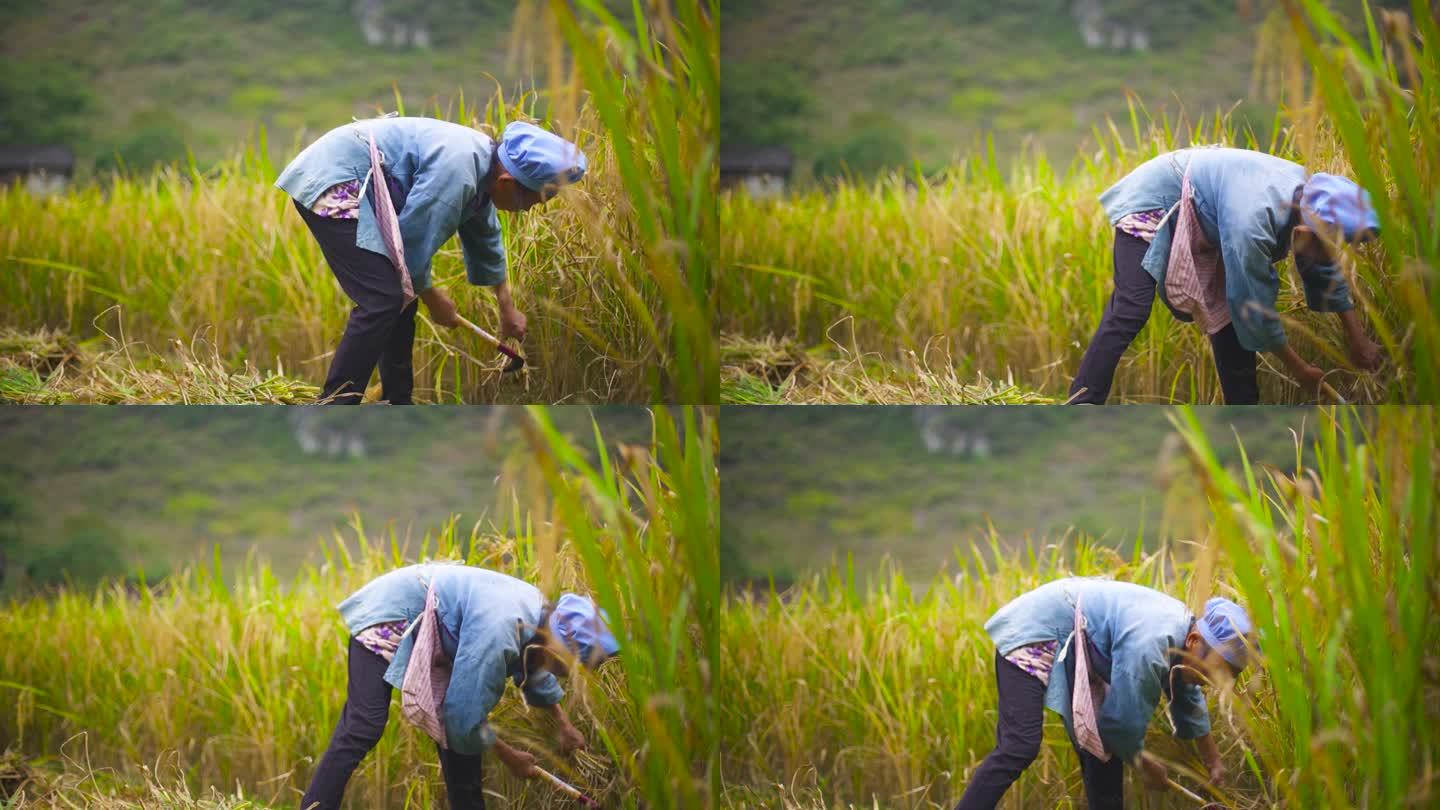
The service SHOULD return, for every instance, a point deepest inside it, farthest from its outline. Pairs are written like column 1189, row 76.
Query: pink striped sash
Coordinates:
column 427, row 675
column 1084, row 705
column 389, row 222
column 1195, row 274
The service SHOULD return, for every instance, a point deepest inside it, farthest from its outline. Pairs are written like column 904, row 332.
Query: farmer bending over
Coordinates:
column 490, row 627
column 440, row 179
column 1205, row 226
column 1138, row 644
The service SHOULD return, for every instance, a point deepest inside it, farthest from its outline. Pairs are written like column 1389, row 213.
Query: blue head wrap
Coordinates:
column 1223, row 626
column 580, row 625
column 537, row 157
column 1330, row 201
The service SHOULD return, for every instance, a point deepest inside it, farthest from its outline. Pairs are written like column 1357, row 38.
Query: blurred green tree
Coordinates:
column 153, row 137
column 762, row 104
column 13, row 509
column 876, row 143
column 43, row 101
column 85, row 551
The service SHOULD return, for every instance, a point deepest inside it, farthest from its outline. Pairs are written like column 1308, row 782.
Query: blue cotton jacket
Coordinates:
column 485, row 617
column 439, row 165
column 1244, row 201
column 1133, row 625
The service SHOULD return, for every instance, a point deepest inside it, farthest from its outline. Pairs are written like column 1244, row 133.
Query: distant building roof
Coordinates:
column 50, row 158
column 756, row 160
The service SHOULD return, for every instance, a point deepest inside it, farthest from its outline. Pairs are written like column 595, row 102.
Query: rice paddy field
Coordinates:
column 220, row 688
column 851, row 689
column 978, row 272
column 165, row 267
column 48, row 367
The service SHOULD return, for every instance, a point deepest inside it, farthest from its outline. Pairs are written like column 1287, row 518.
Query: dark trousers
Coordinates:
column 1125, row 316
column 1018, row 732
column 380, row 330
column 362, row 721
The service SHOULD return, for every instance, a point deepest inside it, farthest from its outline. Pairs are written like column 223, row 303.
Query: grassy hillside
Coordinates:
column 102, row 492
column 806, row 486
column 143, row 79
column 872, row 84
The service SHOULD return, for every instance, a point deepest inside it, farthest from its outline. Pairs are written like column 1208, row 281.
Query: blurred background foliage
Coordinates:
column 805, row 487
column 858, row 86
column 132, row 493
column 136, row 82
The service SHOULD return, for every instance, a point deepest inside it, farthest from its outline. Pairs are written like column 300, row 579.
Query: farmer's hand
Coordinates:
column 512, row 323
column 520, row 763
column 1310, row 378
column 442, row 309
column 1308, row 375
column 512, row 320
column 1154, row 771
column 1210, row 755
column 1364, row 353
column 570, row 739
column 1216, row 769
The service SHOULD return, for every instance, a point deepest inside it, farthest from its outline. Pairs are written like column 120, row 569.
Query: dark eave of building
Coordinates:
column 49, row 158
column 744, row 159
